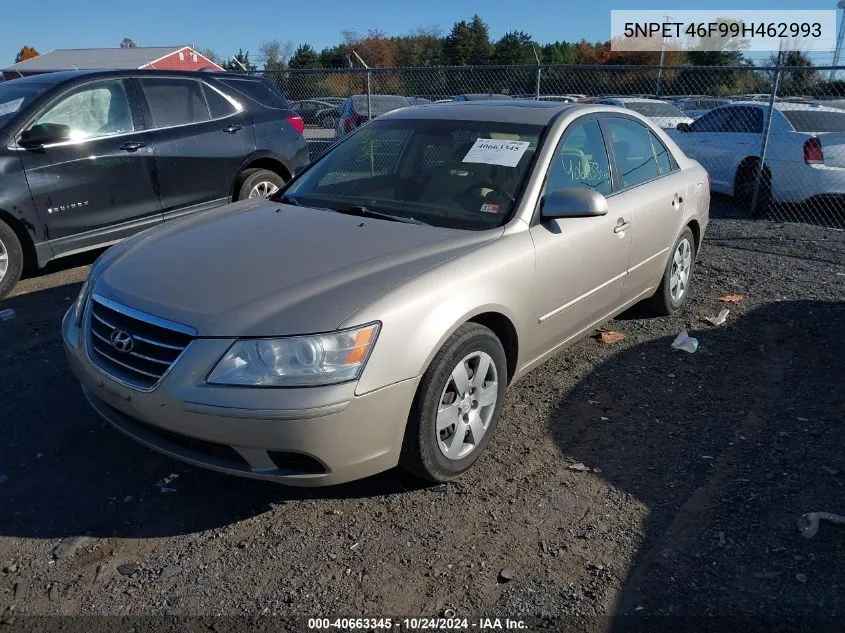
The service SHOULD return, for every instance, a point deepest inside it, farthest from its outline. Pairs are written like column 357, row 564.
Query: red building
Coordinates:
column 155, row 57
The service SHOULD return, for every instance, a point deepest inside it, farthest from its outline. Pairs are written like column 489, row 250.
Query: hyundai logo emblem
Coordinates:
column 122, row 341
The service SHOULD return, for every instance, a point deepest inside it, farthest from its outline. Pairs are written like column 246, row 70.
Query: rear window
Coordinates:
column 381, row 104
column 258, row 91
column 654, row 108
column 815, row 121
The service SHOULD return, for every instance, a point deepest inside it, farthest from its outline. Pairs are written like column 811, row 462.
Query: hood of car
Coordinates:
column 266, row 269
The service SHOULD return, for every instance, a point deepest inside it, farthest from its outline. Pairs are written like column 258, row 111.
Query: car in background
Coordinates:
column 556, row 98
column 481, row 97
column 355, row 112
column 805, row 156
column 694, row 107
column 420, row 100
column 88, row 158
column 663, row 113
column 373, row 312
column 312, row 111
column 335, row 101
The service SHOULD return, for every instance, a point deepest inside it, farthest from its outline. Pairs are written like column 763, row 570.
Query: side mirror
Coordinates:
column 573, row 202
column 44, row 134
column 684, row 127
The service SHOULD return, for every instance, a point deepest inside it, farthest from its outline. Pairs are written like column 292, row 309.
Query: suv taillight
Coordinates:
column 296, row 121
column 813, row 154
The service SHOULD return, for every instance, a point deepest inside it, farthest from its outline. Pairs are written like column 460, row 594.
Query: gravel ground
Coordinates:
column 699, row 467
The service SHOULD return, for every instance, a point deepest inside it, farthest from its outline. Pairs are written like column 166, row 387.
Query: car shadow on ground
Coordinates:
column 726, row 448
column 63, row 471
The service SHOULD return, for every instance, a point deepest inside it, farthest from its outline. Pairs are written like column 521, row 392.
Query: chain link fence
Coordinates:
column 772, row 139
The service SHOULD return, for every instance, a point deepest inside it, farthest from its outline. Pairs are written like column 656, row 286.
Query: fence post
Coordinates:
column 766, row 129
column 369, row 97
column 539, row 68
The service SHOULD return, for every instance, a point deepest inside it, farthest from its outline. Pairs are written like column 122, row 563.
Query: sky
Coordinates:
column 214, row 24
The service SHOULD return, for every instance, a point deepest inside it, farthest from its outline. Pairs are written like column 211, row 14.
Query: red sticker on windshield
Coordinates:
column 490, row 208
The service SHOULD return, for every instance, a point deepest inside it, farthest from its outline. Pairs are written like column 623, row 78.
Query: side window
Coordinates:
column 217, row 103
column 580, row 160
column 746, row 120
column 713, row 121
column 99, row 109
column 175, row 101
column 633, row 151
column 665, row 163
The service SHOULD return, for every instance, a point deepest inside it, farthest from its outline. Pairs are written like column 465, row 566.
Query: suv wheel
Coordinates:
column 259, row 183
column 11, row 259
column 457, row 406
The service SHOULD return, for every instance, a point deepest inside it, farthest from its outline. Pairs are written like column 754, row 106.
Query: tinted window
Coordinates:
column 744, row 120
column 175, row 101
column 580, row 160
column 217, row 103
column 665, row 164
column 15, row 95
column 257, row 91
column 815, row 121
column 713, row 121
column 381, row 104
column 633, row 151
column 98, row 109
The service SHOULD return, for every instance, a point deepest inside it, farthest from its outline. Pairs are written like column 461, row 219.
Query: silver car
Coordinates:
column 373, row 311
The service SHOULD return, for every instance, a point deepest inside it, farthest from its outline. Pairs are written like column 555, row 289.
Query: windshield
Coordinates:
column 815, row 121
column 457, row 174
column 655, row 108
column 14, row 96
column 380, row 103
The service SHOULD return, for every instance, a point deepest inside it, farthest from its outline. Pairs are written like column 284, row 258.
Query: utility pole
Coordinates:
column 838, row 51
column 666, row 18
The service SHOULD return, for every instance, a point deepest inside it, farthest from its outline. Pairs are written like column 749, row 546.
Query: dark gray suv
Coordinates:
column 88, row 158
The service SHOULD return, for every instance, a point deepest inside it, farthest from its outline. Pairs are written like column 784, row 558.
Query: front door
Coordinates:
column 580, row 262
column 103, row 177
column 200, row 139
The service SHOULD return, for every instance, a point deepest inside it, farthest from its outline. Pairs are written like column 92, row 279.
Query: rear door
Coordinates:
column 200, row 137
column 700, row 143
column 655, row 190
column 104, row 176
column 741, row 135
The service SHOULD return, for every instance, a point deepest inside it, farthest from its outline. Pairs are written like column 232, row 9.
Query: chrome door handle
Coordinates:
column 132, row 146
column 233, row 128
column 621, row 226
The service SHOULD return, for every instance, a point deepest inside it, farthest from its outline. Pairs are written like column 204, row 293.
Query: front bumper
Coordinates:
column 306, row 436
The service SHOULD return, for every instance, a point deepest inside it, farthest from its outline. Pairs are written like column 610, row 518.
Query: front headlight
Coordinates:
column 79, row 304
column 296, row 361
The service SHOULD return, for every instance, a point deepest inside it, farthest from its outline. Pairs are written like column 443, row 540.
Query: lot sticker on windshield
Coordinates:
column 492, row 152
column 490, row 208
column 10, row 106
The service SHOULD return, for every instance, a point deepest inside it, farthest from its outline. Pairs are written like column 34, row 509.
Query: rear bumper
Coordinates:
column 804, row 183
column 305, row 437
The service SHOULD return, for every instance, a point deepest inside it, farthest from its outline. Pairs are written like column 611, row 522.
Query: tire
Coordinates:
column 744, row 191
column 11, row 259
column 424, row 450
column 664, row 302
column 252, row 178
column 329, row 122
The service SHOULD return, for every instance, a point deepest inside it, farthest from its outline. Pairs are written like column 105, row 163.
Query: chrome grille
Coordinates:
column 134, row 348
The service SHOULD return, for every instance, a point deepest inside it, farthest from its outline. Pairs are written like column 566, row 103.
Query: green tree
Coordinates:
column 459, row 45
column 336, row 56
column 515, row 47
column 423, row 47
column 275, row 55
column 239, row 63
column 128, row 43
column 559, row 53
column 304, row 57
column 482, row 49
column 800, row 77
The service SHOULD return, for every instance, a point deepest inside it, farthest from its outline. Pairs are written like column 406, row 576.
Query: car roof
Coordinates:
column 786, row 105
column 501, row 111
column 68, row 75
column 639, row 100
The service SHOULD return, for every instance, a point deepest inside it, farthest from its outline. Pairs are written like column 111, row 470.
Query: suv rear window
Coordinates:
column 258, row 91
column 175, row 101
column 815, row 121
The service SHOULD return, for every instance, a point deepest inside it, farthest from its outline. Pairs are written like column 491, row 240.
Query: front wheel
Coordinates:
column 457, row 405
column 11, row 259
column 259, row 183
column 675, row 285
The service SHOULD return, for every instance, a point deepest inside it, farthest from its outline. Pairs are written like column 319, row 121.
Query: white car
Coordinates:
column 662, row 113
column 697, row 106
column 805, row 156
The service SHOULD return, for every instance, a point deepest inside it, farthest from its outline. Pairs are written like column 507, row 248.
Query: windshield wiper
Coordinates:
column 286, row 199
column 363, row 212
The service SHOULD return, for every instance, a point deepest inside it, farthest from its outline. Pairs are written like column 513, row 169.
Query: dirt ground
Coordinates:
column 699, row 468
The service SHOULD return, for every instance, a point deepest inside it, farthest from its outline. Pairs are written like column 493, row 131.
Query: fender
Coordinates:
column 259, row 156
